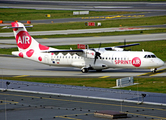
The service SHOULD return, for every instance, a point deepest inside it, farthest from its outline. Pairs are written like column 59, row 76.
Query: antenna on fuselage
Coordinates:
column 124, row 44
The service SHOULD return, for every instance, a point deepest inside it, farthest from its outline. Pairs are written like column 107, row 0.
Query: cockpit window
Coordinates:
column 153, row 56
column 149, row 56
column 145, row 56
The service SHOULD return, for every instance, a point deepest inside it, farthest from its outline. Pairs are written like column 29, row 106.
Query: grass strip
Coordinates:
column 9, row 14
column 144, row 21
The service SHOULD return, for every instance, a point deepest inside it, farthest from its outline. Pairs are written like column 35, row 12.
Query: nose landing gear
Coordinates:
column 154, row 70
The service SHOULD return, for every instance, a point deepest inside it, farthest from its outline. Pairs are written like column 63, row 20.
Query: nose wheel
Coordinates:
column 154, row 70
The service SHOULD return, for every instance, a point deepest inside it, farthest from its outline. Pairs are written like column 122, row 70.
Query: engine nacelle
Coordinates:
column 98, row 66
column 117, row 49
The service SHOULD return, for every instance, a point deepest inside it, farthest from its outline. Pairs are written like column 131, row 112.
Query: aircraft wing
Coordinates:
column 121, row 46
column 78, row 52
column 64, row 51
column 81, row 52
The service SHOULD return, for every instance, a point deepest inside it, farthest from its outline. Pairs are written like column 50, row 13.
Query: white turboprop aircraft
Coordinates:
column 86, row 59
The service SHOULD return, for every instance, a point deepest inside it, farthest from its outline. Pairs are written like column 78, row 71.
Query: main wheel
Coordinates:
column 84, row 70
column 154, row 70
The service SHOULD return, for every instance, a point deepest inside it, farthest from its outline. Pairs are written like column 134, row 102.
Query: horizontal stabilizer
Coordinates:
column 6, row 27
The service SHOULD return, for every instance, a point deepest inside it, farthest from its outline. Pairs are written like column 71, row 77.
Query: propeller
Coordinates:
column 97, row 54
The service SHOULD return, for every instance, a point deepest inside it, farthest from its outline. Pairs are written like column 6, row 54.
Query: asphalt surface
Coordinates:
column 85, row 92
column 80, row 5
column 47, row 106
column 33, row 106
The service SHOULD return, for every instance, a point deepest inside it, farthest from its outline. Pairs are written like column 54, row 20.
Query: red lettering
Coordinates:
column 122, row 61
column 136, row 62
column 23, row 39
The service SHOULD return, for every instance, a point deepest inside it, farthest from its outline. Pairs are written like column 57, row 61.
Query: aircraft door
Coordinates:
column 46, row 59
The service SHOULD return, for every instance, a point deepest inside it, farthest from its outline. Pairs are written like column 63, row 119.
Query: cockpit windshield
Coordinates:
column 149, row 56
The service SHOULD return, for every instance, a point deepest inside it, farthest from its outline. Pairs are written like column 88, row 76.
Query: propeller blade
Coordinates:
column 97, row 54
column 95, row 59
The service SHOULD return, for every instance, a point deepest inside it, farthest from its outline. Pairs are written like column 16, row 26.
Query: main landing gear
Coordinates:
column 84, row 70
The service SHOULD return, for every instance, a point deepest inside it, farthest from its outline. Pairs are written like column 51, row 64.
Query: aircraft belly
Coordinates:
column 78, row 64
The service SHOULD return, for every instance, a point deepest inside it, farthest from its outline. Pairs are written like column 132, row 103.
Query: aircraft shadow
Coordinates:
column 70, row 69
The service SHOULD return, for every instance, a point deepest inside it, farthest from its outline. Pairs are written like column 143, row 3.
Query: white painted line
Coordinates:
column 81, row 96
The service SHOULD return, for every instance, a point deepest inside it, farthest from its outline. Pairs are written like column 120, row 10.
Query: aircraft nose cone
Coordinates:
column 161, row 63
